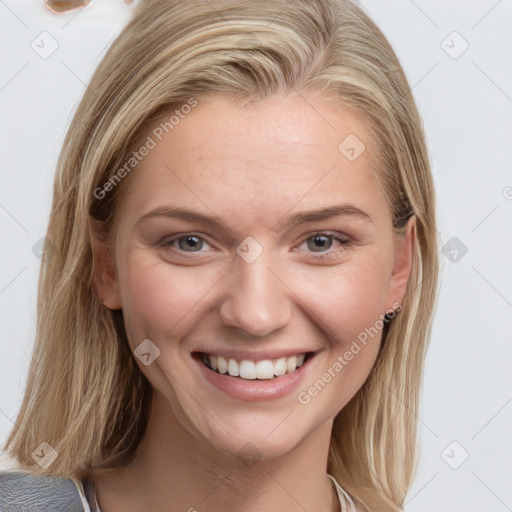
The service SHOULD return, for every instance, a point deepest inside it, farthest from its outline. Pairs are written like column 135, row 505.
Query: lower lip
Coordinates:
column 256, row 390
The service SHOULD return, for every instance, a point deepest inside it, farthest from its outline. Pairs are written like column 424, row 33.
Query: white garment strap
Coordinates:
column 346, row 502
column 81, row 492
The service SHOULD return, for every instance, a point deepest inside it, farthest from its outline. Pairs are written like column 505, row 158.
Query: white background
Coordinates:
column 466, row 104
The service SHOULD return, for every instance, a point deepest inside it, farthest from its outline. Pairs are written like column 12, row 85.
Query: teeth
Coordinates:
column 249, row 370
column 222, row 364
column 280, row 367
column 291, row 364
column 233, row 368
column 263, row 369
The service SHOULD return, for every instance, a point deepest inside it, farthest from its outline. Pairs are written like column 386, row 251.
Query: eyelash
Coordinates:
column 343, row 240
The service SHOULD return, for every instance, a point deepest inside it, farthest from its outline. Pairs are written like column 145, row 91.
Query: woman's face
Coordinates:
column 254, row 238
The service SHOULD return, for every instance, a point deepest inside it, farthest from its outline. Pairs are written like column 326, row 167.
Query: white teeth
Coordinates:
column 291, row 364
column 249, row 370
column 264, row 369
column 280, row 367
column 233, row 368
column 222, row 364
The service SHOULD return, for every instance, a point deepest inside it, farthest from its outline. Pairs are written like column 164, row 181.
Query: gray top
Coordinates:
column 24, row 492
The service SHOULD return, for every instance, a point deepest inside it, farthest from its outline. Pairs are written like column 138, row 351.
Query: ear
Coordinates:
column 104, row 275
column 404, row 243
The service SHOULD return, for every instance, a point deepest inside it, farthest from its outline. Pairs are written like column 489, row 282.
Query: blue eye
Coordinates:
column 193, row 243
column 186, row 243
column 325, row 244
column 319, row 243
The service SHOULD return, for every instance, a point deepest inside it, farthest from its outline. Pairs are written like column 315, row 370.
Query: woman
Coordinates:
column 241, row 236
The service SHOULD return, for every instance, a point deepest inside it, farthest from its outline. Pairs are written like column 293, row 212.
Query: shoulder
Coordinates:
column 25, row 492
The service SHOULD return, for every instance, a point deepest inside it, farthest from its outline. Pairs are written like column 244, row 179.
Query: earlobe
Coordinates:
column 104, row 276
column 404, row 244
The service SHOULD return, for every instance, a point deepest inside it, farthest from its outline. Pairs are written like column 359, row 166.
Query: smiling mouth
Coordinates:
column 266, row 369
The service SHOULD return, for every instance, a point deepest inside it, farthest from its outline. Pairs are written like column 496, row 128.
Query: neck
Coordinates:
column 175, row 470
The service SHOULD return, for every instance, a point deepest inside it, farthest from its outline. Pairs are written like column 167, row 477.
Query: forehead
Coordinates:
column 266, row 155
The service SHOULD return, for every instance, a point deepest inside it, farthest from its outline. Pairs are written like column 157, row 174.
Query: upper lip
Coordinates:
column 240, row 355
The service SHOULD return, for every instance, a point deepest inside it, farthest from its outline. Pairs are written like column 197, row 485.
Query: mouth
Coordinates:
column 246, row 369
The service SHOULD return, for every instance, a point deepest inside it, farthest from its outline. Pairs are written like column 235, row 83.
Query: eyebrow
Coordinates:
column 319, row 214
column 316, row 215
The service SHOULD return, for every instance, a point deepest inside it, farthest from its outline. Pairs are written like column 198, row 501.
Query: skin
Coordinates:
column 250, row 168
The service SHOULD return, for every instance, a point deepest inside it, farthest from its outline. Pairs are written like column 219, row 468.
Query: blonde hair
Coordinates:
column 85, row 395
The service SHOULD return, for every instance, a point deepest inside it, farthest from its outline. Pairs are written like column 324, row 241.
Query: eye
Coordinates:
column 319, row 243
column 323, row 243
column 185, row 243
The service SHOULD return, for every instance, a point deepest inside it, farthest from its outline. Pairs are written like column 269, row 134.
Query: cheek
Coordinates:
column 347, row 306
column 158, row 297
column 347, row 298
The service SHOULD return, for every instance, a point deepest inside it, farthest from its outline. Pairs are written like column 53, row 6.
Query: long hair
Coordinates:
column 85, row 395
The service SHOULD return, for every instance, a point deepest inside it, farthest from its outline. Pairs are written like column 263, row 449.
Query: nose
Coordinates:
column 256, row 300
